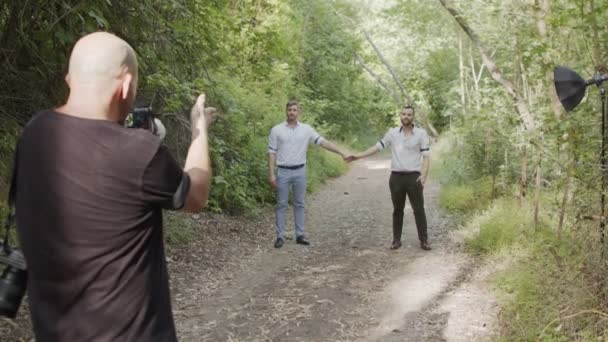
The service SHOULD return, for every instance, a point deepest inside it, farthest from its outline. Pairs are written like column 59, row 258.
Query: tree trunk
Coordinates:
column 597, row 59
column 505, row 174
column 493, row 185
column 300, row 72
column 423, row 115
column 475, row 81
column 462, row 81
column 524, row 179
column 404, row 93
column 537, row 193
column 378, row 79
column 562, row 211
column 543, row 8
column 520, row 103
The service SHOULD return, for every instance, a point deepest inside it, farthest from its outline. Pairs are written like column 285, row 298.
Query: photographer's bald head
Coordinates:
column 102, row 78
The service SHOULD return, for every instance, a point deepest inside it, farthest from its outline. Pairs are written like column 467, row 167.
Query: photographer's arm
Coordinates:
column 198, row 165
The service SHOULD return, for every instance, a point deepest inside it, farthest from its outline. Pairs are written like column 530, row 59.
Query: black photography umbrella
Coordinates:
column 570, row 88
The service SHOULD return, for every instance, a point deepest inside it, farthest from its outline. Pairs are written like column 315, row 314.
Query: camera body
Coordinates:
column 143, row 117
column 140, row 117
column 13, row 281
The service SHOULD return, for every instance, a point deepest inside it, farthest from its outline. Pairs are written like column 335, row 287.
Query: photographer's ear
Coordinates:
column 128, row 86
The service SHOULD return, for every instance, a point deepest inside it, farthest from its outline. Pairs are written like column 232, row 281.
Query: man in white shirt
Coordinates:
column 288, row 143
column 409, row 169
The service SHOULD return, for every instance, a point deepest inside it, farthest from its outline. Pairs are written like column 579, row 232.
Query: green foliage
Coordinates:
column 440, row 78
column 249, row 57
column 553, row 278
column 501, row 226
column 179, row 228
column 549, row 295
column 323, row 165
column 467, row 154
column 466, row 198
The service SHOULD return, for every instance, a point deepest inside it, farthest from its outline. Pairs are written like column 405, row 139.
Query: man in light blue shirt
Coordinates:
column 287, row 146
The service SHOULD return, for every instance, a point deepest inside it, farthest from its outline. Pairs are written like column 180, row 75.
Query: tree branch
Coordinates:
column 378, row 79
column 522, row 107
column 388, row 66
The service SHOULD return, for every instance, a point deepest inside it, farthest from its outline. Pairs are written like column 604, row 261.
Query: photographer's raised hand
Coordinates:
column 211, row 115
column 198, row 165
column 198, row 120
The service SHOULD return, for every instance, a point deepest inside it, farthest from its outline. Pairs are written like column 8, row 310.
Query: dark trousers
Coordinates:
column 402, row 186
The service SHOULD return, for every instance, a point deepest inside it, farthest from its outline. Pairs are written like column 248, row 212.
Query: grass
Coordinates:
column 466, row 198
column 553, row 289
column 321, row 165
column 179, row 228
column 551, row 294
column 551, row 286
column 501, row 226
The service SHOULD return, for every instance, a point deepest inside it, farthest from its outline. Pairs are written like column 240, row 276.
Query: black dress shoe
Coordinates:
column 396, row 245
column 278, row 243
column 302, row 241
column 425, row 245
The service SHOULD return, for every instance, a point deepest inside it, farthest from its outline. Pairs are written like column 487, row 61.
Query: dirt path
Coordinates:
column 347, row 286
column 230, row 284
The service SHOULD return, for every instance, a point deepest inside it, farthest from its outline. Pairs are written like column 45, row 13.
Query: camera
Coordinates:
column 140, row 117
column 13, row 281
column 143, row 117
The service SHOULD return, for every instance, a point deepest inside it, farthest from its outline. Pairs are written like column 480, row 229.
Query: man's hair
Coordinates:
column 407, row 106
column 291, row 103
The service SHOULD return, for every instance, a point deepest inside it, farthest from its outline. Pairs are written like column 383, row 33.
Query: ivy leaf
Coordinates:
column 101, row 21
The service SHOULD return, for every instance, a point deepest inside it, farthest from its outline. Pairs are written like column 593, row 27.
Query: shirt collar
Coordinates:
column 413, row 129
column 297, row 123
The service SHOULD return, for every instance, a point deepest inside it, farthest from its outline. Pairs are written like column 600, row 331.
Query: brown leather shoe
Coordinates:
column 396, row 244
column 425, row 245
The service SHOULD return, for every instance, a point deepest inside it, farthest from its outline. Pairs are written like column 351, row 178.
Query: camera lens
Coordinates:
column 12, row 289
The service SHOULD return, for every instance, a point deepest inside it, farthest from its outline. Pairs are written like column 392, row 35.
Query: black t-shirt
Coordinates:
column 90, row 195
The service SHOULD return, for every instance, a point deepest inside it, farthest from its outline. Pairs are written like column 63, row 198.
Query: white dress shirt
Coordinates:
column 290, row 144
column 407, row 150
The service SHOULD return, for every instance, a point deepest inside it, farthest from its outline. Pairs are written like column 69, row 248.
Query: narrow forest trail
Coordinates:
column 347, row 286
column 230, row 284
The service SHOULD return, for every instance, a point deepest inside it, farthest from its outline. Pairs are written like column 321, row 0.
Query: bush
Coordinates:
column 501, row 226
column 548, row 294
column 179, row 228
column 466, row 198
column 321, row 165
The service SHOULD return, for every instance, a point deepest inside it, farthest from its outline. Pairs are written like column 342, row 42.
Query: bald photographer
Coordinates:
column 89, row 197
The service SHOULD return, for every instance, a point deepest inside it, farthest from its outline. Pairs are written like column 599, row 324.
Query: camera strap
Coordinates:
column 12, row 195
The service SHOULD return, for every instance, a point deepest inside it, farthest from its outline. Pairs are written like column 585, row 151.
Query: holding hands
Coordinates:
column 350, row 157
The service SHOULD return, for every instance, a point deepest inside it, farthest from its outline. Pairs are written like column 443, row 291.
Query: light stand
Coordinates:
column 570, row 88
column 603, row 163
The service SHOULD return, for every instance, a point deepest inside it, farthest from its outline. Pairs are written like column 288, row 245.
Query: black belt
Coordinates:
column 291, row 167
column 405, row 173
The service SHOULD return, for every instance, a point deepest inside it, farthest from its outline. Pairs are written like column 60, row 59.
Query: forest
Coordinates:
column 520, row 176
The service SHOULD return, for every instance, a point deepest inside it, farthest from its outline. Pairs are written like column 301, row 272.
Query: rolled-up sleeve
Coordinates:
column 425, row 148
column 315, row 138
column 272, row 141
column 385, row 141
column 164, row 183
